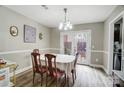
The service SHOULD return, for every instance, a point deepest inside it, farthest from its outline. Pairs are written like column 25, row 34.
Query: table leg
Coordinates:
column 113, row 78
column 14, row 76
column 68, row 69
column 67, row 80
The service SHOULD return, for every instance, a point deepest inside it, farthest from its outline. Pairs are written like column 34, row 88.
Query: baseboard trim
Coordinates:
column 100, row 66
column 29, row 67
column 21, row 70
column 95, row 65
column 105, row 70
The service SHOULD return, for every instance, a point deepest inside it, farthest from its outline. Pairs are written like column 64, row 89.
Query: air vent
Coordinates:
column 44, row 6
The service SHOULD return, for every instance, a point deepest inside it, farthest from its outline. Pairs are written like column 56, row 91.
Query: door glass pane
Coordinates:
column 80, row 44
column 67, row 45
column 76, row 42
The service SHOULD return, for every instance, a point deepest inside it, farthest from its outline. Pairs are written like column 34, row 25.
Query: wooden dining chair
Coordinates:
column 52, row 70
column 36, row 51
column 73, row 71
column 37, row 66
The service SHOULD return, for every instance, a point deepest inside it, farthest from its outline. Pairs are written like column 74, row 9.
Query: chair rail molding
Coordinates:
column 22, row 51
column 43, row 49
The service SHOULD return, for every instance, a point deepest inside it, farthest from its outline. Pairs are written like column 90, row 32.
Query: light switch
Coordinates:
column 93, row 46
column 97, row 59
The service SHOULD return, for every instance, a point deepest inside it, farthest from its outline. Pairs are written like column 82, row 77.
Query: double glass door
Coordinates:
column 73, row 42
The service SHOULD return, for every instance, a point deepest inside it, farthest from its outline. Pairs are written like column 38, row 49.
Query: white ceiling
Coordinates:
column 78, row 14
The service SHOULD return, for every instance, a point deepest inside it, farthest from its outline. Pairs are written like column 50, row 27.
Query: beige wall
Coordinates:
column 118, row 10
column 97, row 37
column 10, row 43
column 9, row 18
column 51, row 37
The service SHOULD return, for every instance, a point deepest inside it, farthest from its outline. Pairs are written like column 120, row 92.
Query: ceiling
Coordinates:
column 77, row 14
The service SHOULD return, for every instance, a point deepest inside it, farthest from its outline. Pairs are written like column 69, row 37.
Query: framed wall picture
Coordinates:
column 14, row 30
column 29, row 34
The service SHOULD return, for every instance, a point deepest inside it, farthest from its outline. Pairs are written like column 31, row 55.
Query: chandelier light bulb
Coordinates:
column 65, row 28
column 60, row 26
column 70, row 26
column 66, row 25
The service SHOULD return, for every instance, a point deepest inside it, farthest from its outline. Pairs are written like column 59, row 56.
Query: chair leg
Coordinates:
column 46, row 80
column 73, row 77
column 41, row 79
column 33, row 77
column 67, row 81
column 65, row 78
column 56, row 82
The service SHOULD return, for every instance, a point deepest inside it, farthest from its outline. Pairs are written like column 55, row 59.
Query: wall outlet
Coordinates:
column 93, row 46
column 97, row 59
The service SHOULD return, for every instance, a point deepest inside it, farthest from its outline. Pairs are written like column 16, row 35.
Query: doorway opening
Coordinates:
column 116, row 44
column 73, row 42
column 117, row 47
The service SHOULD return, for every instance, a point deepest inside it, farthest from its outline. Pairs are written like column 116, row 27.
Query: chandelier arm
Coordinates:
column 66, row 25
column 65, row 10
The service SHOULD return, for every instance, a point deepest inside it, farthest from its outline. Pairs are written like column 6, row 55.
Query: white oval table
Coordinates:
column 63, row 62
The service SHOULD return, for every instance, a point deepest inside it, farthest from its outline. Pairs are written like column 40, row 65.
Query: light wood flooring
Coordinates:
column 86, row 77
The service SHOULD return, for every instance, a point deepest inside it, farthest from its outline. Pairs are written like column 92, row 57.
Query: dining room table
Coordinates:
column 63, row 62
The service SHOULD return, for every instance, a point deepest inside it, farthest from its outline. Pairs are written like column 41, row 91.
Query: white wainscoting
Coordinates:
column 45, row 49
column 21, row 51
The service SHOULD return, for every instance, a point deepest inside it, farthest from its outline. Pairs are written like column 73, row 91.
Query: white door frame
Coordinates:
column 80, row 31
column 111, row 41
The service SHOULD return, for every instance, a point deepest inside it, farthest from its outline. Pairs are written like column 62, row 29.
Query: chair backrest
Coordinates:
column 36, row 62
column 76, row 58
column 36, row 51
column 50, row 61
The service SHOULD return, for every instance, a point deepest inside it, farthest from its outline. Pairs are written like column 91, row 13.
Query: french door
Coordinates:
column 72, row 42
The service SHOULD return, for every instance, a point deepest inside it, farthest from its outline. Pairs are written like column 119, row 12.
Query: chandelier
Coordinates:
column 66, row 24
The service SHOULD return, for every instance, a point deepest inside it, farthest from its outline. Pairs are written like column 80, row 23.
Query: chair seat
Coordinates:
column 42, row 70
column 57, row 74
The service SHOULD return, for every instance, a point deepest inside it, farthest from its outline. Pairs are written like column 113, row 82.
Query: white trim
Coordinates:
column 29, row 67
column 95, row 65
column 106, row 71
column 120, row 74
column 110, row 43
column 44, row 49
column 88, row 31
column 22, row 51
column 100, row 66
column 106, row 52
column 54, row 48
column 17, row 51
column 21, row 70
column 79, row 31
column 99, row 51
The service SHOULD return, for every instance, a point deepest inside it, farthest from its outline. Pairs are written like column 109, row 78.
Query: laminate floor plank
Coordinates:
column 86, row 77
